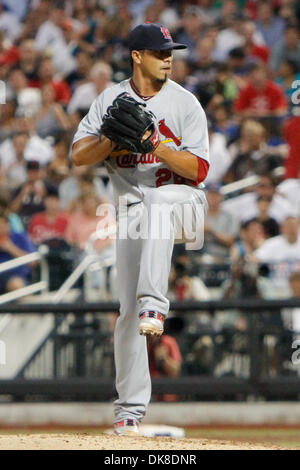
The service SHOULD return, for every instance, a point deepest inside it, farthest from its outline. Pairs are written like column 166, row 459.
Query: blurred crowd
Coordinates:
column 243, row 64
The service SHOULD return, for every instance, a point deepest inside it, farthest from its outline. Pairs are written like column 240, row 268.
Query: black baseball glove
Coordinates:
column 128, row 124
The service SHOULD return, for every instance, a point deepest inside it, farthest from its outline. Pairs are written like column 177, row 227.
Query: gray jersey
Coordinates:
column 182, row 126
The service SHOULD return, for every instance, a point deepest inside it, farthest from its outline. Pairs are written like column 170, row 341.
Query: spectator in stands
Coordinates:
column 183, row 285
column 58, row 169
column 221, row 228
column 245, row 206
column 251, row 238
column 219, row 156
column 164, row 361
column 13, row 245
column 288, row 73
column 28, row 61
column 262, row 97
column 87, row 219
column 238, row 63
column 164, row 357
column 12, row 159
column 229, row 38
column 46, row 76
column 290, row 190
column 192, row 23
column 253, row 46
column 21, row 148
column 52, row 223
column 17, row 81
column 250, row 154
column 282, row 253
column 167, row 14
column 223, row 123
column 284, row 247
column 241, row 283
column 9, row 23
column 270, row 26
column 205, row 69
column 287, row 49
column 80, row 75
column 72, row 187
column 51, row 117
column 84, row 95
column 225, row 88
column 28, row 199
column 50, row 31
column 8, row 122
column 14, row 220
column 291, row 317
column 270, row 226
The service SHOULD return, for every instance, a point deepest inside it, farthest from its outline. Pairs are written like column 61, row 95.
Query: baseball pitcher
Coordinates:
column 151, row 134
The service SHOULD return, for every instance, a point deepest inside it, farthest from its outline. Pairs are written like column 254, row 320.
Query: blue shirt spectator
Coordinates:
column 13, row 245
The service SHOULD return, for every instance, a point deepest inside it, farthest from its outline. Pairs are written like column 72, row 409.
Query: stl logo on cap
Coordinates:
column 166, row 32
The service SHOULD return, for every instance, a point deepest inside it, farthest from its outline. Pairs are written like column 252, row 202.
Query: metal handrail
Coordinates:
column 247, row 182
column 80, row 269
column 239, row 185
column 92, row 258
column 42, row 285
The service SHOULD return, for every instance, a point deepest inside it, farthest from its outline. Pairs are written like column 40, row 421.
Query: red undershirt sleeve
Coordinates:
column 203, row 167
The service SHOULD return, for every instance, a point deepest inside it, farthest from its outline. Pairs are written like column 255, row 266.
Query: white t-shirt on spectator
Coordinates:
column 227, row 39
column 36, row 149
column 278, row 249
column 220, row 158
column 283, row 258
column 10, row 25
column 63, row 60
column 17, row 7
column 49, row 36
column 245, row 207
column 47, row 33
column 290, row 189
column 82, row 98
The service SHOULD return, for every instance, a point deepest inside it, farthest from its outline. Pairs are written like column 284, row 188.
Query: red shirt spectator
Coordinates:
column 164, row 360
column 49, row 224
column 166, row 347
column 260, row 52
column 261, row 97
column 291, row 132
column 42, row 227
column 46, row 75
column 9, row 56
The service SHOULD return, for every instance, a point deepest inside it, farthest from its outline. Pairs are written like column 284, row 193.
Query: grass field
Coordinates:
column 285, row 437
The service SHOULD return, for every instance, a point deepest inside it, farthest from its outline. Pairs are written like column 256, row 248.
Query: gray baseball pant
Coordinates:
column 143, row 267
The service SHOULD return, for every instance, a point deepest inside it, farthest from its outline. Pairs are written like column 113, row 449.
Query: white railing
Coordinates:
column 247, row 182
column 42, row 285
column 92, row 260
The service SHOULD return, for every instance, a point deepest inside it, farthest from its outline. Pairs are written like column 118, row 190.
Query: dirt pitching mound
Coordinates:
column 82, row 441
